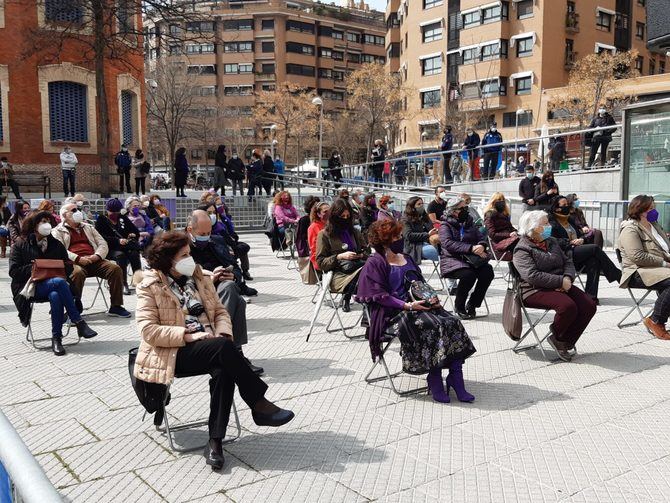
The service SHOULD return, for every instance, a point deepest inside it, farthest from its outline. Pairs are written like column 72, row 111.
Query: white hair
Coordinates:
column 64, row 208
column 130, row 200
column 530, row 221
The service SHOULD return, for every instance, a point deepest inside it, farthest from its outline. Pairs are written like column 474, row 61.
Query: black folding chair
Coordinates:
column 637, row 302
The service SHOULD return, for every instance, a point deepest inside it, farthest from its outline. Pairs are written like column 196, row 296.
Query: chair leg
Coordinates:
column 636, row 307
column 518, row 348
column 35, row 343
column 343, row 329
column 388, row 376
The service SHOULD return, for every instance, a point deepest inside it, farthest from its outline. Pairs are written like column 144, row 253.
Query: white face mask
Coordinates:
column 602, row 111
column 494, row 129
column 78, row 217
column 145, row 204
column 185, row 266
column 470, row 133
column 80, row 204
column 212, row 218
column 234, row 156
column 44, row 229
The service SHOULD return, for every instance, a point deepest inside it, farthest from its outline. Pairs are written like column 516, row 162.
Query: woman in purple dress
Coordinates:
column 432, row 339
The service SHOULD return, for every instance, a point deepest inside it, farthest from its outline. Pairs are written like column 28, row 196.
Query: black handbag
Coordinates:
column 150, row 395
column 475, row 261
column 418, row 289
column 349, row 266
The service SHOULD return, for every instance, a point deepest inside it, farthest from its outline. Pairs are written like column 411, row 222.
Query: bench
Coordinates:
column 34, row 179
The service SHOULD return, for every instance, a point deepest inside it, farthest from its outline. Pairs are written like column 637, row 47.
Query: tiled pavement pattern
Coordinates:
column 592, row 430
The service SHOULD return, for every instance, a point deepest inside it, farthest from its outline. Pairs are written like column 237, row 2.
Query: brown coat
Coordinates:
column 641, row 253
column 160, row 320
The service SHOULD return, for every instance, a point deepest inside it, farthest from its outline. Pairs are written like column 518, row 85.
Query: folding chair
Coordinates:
column 497, row 259
column 518, row 348
column 168, row 430
column 449, row 299
column 637, row 303
column 436, row 272
column 98, row 292
column 30, row 335
column 326, row 293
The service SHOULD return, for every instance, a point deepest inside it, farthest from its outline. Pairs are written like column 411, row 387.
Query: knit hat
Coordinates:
column 452, row 202
column 113, row 205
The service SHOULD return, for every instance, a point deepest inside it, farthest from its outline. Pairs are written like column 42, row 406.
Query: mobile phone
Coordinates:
column 228, row 268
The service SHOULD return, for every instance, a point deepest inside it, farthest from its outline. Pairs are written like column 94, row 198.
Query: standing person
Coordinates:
column 456, row 168
column 280, row 169
column 68, row 164
column 470, row 144
column 387, row 172
column 140, row 165
column 268, row 175
column 180, row 171
column 335, row 168
column 21, row 211
column 527, row 188
column 556, row 152
column 400, row 170
column 600, row 139
column 254, row 174
column 123, row 162
column 446, row 144
column 378, row 156
column 546, row 192
column 236, row 173
column 220, row 169
column 5, row 216
column 491, row 154
column 7, row 178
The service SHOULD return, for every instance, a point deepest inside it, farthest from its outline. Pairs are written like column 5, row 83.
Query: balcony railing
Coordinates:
column 570, row 60
column 572, row 22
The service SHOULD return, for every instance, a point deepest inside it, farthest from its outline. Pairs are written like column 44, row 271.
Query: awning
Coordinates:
column 481, row 7
column 428, row 89
column 528, row 34
column 604, row 46
column 432, row 55
column 432, row 21
column 428, row 122
column 523, row 75
column 606, row 11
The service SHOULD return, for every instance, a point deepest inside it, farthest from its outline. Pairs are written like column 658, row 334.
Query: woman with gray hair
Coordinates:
column 547, row 276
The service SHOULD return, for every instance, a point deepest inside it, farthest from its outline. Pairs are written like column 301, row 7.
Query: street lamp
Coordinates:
column 273, row 142
column 424, row 135
column 520, row 111
column 319, row 103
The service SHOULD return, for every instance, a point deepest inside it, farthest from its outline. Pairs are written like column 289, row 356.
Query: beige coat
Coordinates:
column 100, row 247
column 642, row 253
column 160, row 320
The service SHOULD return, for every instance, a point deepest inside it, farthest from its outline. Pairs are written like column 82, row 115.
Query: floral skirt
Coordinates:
column 429, row 339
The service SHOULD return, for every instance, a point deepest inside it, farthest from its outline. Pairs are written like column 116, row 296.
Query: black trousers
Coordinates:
column 490, row 164
column 662, row 305
column 125, row 257
column 446, row 170
column 14, row 186
column 266, row 182
column 596, row 144
column 251, row 188
column 594, row 262
column 467, row 277
column 222, row 360
column 140, row 185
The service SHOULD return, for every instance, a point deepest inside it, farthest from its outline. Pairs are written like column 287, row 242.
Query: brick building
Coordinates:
column 47, row 100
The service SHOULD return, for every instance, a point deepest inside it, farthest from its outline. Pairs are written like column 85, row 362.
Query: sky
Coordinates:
column 377, row 4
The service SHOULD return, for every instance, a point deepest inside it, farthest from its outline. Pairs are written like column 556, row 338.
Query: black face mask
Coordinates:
column 550, row 182
column 499, row 206
column 563, row 210
column 462, row 216
column 397, row 246
column 339, row 222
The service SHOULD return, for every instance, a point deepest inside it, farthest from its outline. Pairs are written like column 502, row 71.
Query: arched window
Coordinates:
column 127, row 124
column 68, row 114
column 63, row 11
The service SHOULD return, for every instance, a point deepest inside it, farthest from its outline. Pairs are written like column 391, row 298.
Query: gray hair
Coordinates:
column 530, row 221
column 65, row 208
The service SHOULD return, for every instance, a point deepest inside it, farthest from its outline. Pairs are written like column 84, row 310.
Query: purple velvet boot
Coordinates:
column 436, row 386
column 455, row 380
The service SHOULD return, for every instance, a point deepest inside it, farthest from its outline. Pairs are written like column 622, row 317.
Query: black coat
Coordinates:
column 23, row 252
column 561, row 235
column 5, row 215
column 471, row 142
column 527, row 188
column 235, row 169
column 181, row 170
column 415, row 235
column 543, row 199
column 219, row 248
column 605, row 134
column 334, row 167
column 268, row 168
column 112, row 233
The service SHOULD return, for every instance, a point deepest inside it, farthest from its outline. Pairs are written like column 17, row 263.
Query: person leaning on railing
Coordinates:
column 645, row 257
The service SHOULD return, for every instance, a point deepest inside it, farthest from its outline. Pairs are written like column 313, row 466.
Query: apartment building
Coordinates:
column 253, row 45
column 492, row 59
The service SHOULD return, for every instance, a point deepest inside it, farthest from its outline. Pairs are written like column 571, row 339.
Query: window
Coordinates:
column 393, row 50
column 494, row 51
column 267, row 47
column 429, row 4
column 325, row 52
column 495, row 13
column 325, row 73
column 238, row 25
column 432, row 130
column 604, row 21
column 196, row 153
column 493, row 87
column 268, row 68
column 430, row 99
column 293, row 69
column 267, row 24
column 238, row 90
column 522, row 86
column 268, row 87
column 652, row 67
column 471, row 18
column 367, row 58
column 248, row 132
column 338, row 75
column 199, row 48
column 238, row 47
column 325, row 31
column 200, row 26
column 431, row 66
column 128, row 100
column 353, row 57
column 525, row 119
column 201, row 70
column 208, row 91
column 524, row 47
column 639, row 30
column 174, row 50
column 338, row 35
column 354, row 37
column 299, row 26
column 299, row 48
column 373, row 39
column 524, row 9
column 63, row 11
column 661, row 67
column 125, row 17
column 639, row 64
column 431, row 32
column 68, row 112
column 331, row 95
column 337, row 55
column 470, row 55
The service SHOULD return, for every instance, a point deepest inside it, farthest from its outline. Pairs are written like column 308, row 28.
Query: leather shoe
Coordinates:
column 563, row 353
column 463, row 315
column 126, row 290
column 656, row 329
column 247, row 276
column 83, row 330
column 248, row 291
column 212, row 458
column 57, row 346
column 255, row 369
column 282, row 416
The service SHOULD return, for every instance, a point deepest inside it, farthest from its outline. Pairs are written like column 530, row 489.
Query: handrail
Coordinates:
column 24, row 471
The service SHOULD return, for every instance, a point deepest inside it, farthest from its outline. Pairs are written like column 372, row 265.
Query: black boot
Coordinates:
column 346, row 303
column 57, row 346
column 214, row 454
column 83, row 330
column 247, row 276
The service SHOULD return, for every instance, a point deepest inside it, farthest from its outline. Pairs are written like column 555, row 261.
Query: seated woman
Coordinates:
column 222, row 225
column 418, row 232
column 185, row 330
column 340, row 248
column 122, row 238
column 464, row 257
column 318, row 217
column 48, row 206
column 546, row 191
column 547, row 275
column 138, row 216
column 645, row 254
column 5, row 215
column 36, row 242
column 301, row 238
column 499, row 226
column 590, row 235
column 387, row 209
column 432, row 339
column 286, row 216
column 368, row 212
column 21, row 211
column 587, row 257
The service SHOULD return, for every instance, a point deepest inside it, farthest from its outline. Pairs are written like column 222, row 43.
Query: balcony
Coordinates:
column 265, row 77
column 570, row 60
column 572, row 22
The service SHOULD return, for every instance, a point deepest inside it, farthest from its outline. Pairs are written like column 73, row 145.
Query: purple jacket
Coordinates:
column 454, row 246
column 285, row 215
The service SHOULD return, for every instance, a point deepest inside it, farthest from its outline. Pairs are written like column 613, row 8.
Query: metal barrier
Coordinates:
column 27, row 480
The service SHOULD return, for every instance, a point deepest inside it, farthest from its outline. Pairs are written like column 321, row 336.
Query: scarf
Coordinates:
column 563, row 220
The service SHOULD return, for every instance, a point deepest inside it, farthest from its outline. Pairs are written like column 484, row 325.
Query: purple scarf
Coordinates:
column 349, row 240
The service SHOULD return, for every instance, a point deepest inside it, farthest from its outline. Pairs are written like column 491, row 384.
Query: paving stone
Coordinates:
column 22, row 392
column 127, row 487
column 57, row 472
column 57, row 435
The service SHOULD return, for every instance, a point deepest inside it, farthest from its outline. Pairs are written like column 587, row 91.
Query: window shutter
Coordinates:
column 127, row 117
column 68, row 117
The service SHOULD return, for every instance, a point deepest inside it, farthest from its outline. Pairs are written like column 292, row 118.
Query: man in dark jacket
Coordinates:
column 491, row 154
column 335, row 168
column 600, row 139
column 213, row 255
column 268, row 174
column 446, row 144
column 123, row 163
column 556, row 153
column 470, row 144
column 400, row 171
column 378, row 156
column 236, row 173
column 254, row 173
column 527, row 188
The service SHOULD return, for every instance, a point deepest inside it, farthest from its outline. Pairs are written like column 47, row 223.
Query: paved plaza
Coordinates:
column 587, row 431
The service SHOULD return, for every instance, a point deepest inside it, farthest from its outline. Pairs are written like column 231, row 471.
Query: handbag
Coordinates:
column 475, row 261
column 511, row 321
column 149, row 394
column 418, row 289
column 307, row 272
column 46, row 268
column 350, row 266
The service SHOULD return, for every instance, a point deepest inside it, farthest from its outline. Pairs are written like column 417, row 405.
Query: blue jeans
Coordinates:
column 429, row 252
column 57, row 292
column 4, row 233
column 68, row 174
